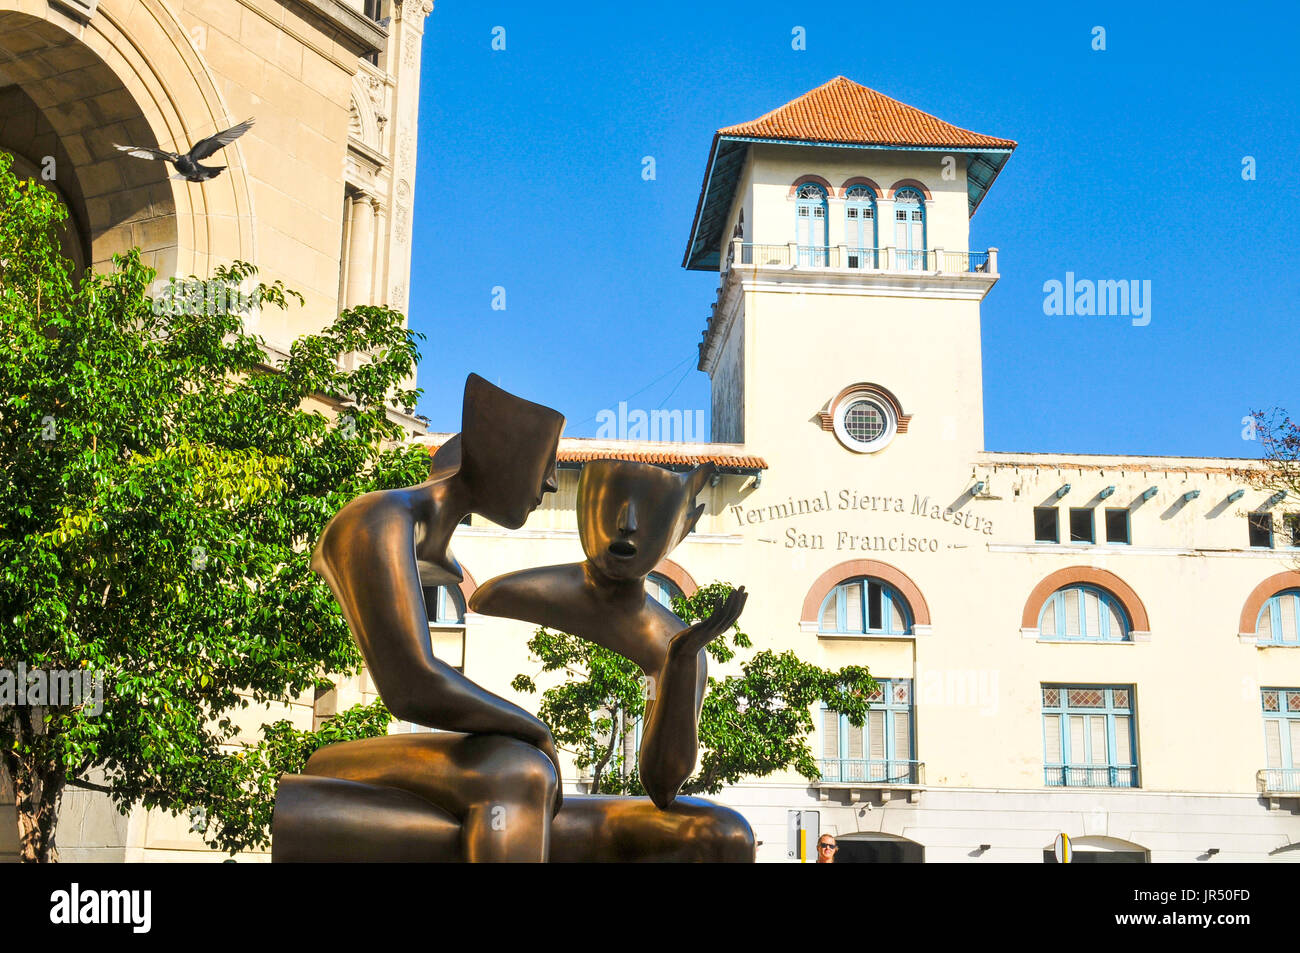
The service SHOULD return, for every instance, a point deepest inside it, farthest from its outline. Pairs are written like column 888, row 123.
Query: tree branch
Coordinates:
column 89, row 785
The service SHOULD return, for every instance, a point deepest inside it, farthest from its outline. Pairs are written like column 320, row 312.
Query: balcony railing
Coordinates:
column 1279, row 781
column 849, row 258
column 1091, row 776
column 865, row 771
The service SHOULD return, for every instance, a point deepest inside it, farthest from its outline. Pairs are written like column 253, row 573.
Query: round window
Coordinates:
column 863, row 423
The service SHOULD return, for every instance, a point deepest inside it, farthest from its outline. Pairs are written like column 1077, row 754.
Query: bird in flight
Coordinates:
column 188, row 164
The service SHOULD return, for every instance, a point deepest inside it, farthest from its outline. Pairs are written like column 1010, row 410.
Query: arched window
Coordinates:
column 1279, row 620
column 865, row 606
column 860, row 226
column 810, row 225
column 909, row 229
column 1084, row 614
column 663, row 589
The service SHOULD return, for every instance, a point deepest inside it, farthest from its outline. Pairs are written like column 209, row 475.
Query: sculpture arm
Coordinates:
column 370, row 566
column 670, row 741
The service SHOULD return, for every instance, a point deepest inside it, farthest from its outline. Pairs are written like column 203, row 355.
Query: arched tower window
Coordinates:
column 810, row 225
column 909, row 229
column 865, row 606
column 860, row 227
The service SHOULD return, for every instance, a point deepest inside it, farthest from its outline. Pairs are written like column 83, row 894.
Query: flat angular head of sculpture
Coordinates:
column 631, row 515
column 508, row 450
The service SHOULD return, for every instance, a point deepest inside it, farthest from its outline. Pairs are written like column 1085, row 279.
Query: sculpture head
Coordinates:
column 507, row 452
column 632, row 515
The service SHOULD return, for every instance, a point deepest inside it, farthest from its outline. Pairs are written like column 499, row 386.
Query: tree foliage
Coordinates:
column 752, row 724
column 161, row 492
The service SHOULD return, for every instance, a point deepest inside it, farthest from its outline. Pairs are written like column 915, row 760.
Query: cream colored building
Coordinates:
column 1100, row 646
column 318, row 194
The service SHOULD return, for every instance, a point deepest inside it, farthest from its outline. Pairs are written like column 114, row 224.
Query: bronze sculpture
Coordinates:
column 630, row 516
column 487, row 787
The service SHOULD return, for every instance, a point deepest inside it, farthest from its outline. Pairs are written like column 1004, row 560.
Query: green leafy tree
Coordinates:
column 752, row 724
column 161, row 492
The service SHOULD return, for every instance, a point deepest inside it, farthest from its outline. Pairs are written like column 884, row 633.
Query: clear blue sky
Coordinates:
column 1129, row 166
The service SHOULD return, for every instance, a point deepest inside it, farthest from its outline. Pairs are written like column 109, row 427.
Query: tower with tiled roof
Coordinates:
column 849, row 294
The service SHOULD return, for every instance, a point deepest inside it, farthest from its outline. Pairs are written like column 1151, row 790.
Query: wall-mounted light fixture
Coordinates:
column 1212, row 851
column 984, row 847
column 977, row 489
column 1147, row 494
column 1107, row 493
column 1062, row 491
column 1274, row 500
column 1191, row 495
column 1235, row 495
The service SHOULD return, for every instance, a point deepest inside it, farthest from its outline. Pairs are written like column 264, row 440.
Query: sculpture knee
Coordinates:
column 730, row 838
column 530, row 773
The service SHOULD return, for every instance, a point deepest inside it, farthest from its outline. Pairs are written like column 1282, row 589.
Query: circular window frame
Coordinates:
column 886, row 411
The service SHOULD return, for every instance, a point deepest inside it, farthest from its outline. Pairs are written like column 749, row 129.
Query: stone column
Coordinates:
column 361, row 246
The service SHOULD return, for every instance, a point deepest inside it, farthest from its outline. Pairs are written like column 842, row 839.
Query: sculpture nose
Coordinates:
column 627, row 519
column 551, row 486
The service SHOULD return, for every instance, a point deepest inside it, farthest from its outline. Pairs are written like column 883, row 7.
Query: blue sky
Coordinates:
column 1129, row 166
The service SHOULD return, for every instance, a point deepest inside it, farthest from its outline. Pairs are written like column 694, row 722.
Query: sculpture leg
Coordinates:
column 500, row 789
column 327, row 820
column 630, row 829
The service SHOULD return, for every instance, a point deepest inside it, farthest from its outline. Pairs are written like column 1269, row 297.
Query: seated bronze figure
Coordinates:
column 487, row 786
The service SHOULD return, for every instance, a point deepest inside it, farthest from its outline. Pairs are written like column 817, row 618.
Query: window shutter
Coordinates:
column 1123, row 740
column 1076, row 751
column 1052, row 738
column 1097, row 726
column 1071, row 614
column 876, row 730
column 1092, row 614
column 854, row 747
column 1047, row 625
column 1118, row 630
column 1264, row 625
column 1289, row 632
column 902, row 737
column 830, row 622
column 1294, row 725
column 852, row 594
column 1273, row 742
column 831, row 735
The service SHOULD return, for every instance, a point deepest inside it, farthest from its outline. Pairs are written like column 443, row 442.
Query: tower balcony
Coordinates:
column 847, row 258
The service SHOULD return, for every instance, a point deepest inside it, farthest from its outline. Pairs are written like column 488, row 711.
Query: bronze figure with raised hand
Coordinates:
column 630, row 516
column 487, row 785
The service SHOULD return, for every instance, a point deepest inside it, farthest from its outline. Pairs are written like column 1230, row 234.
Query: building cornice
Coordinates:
column 362, row 32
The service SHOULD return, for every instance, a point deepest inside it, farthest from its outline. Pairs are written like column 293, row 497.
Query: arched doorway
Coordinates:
column 878, row 849
column 1101, row 850
column 69, row 92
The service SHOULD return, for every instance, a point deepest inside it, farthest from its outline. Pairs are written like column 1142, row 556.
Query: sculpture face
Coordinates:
column 508, row 452
column 631, row 515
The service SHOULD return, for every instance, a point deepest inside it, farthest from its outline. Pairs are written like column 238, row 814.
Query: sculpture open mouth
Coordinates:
column 622, row 548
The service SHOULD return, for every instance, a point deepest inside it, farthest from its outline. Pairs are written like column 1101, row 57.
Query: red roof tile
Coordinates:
column 662, row 457
column 845, row 111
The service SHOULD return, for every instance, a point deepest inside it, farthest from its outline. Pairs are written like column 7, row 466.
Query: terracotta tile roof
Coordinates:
column 585, row 449
column 665, row 458
column 845, row 111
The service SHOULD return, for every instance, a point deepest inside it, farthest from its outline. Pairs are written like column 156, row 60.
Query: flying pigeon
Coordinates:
column 188, row 164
